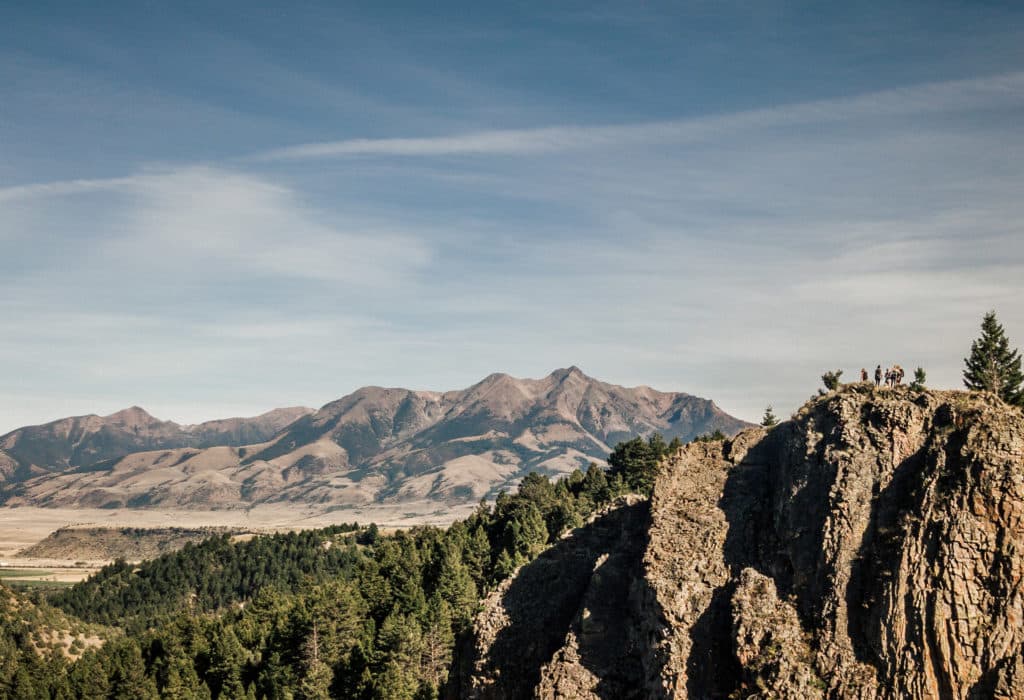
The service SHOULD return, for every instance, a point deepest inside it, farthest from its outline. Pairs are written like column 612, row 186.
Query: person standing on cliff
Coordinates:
column 878, row 375
column 863, row 374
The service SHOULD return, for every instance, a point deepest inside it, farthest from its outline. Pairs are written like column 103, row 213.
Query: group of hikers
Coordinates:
column 893, row 375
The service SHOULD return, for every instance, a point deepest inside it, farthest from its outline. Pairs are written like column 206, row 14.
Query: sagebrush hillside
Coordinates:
column 36, row 631
column 109, row 543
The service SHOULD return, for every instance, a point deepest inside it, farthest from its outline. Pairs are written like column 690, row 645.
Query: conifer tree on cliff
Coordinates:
column 992, row 366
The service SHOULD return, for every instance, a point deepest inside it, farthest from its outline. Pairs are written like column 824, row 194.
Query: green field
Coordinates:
column 25, row 584
column 24, row 573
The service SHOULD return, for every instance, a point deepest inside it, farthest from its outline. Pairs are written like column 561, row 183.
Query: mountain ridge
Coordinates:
column 388, row 444
column 80, row 441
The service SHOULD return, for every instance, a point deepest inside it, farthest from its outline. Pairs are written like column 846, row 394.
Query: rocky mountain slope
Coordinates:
column 872, row 547
column 395, row 445
column 83, row 441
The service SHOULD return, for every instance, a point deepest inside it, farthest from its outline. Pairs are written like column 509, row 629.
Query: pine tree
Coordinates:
column 638, row 462
column 333, row 613
column 504, row 565
column 401, row 640
column 127, row 671
column 182, row 680
column 992, row 366
column 24, row 687
column 477, row 555
column 316, row 681
column 226, row 658
column 89, row 679
column 770, row 420
column 595, row 485
column 397, row 681
column 919, row 380
column 455, row 585
column 831, row 379
column 438, row 641
column 526, row 535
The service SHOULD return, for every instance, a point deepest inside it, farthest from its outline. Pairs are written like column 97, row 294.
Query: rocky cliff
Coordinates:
column 871, row 547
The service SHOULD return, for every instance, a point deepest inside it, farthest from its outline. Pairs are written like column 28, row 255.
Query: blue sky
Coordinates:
column 212, row 209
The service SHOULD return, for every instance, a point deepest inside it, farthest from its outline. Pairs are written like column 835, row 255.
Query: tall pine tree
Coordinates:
column 992, row 366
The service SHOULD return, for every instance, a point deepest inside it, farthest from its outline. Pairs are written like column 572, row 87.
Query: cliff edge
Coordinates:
column 871, row 547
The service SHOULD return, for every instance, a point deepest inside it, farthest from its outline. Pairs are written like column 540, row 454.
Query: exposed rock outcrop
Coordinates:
column 558, row 625
column 872, row 547
column 770, row 645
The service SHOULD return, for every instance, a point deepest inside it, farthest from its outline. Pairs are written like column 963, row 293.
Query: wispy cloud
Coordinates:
column 991, row 92
column 959, row 95
column 245, row 221
column 68, row 187
column 198, row 218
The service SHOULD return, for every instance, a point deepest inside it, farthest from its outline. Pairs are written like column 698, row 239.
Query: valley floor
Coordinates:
column 25, row 526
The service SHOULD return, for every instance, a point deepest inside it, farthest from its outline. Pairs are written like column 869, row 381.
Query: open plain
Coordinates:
column 23, row 527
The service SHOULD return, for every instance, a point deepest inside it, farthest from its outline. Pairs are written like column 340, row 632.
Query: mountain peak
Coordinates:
column 565, row 372
column 133, row 415
column 494, row 378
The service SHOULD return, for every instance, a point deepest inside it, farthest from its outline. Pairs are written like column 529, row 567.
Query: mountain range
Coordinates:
column 374, row 445
column 84, row 441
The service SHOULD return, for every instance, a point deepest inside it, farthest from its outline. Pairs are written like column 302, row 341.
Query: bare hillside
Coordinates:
column 394, row 445
column 83, row 441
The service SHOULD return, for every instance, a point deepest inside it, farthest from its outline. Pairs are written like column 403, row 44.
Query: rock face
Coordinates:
column 556, row 627
column 872, row 547
column 374, row 445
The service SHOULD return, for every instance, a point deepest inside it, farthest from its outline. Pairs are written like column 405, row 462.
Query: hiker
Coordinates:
column 878, row 375
column 899, row 376
column 888, row 377
column 863, row 374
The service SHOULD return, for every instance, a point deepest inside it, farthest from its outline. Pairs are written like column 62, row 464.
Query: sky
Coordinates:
column 215, row 209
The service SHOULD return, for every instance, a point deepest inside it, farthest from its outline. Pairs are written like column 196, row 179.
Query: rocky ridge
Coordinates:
column 390, row 445
column 556, row 625
column 871, row 547
column 83, row 441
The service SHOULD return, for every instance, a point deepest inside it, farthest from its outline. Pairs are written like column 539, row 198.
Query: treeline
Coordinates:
column 325, row 613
